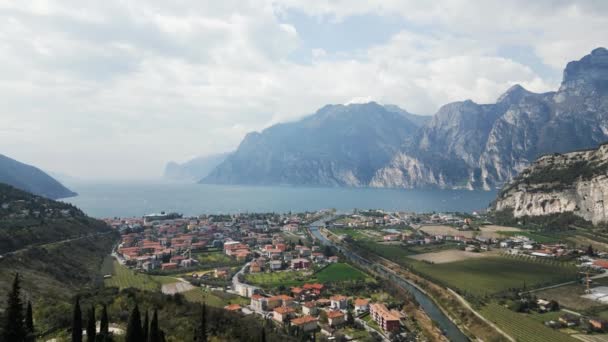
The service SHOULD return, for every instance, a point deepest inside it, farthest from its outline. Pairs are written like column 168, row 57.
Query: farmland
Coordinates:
column 333, row 273
column 481, row 276
column 123, row 277
column 448, row 256
column 521, row 327
column 215, row 259
column 213, row 298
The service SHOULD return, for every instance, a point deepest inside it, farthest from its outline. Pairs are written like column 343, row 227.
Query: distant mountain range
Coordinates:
column 194, row 169
column 464, row 145
column 31, row 179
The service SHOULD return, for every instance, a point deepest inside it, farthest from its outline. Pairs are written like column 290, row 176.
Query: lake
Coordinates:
column 137, row 199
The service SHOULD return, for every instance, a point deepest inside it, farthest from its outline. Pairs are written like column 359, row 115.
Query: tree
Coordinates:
column 134, row 333
column 104, row 330
column 145, row 327
column 91, row 325
column 590, row 251
column 29, row 323
column 14, row 329
column 201, row 332
column 350, row 318
column 77, row 322
column 154, row 334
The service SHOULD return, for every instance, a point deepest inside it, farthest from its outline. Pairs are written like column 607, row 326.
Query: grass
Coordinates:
column 214, row 259
column 538, row 237
column 482, row 276
column 123, row 277
column 340, row 272
column 213, row 298
column 520, row 327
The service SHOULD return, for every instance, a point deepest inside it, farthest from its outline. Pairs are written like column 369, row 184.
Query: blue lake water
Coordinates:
column 137, row 199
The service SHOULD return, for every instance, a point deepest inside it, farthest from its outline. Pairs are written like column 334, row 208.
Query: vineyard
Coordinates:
column 521, row 327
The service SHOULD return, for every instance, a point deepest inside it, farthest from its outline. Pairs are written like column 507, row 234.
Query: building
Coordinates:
column 306, row 323
column 300, row 263
column 361, row 305
column 255, row 267
column 387, row 319
column 233, row 308
column 309, row 308
column 259, row 303
column 339, row 302
column 282, row 314
column 336, row 318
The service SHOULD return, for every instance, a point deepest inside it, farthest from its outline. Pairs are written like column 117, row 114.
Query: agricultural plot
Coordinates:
column 340, row 272
column 521, row 327
column 123, row 277
column 214, row 259
column 569, row 296
column 449, row 256
column 495, row 274
column 214, row 298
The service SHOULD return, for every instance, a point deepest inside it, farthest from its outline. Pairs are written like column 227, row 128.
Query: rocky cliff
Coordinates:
column 575, row 182
column 464, row 145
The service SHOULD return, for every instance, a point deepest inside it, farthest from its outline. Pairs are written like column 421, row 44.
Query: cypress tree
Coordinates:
column 201, row 335
column 77, row 322
column 91, row 325
column 14, row 330
column 153, row 335
column 145, row 327
column 134, row 333
column 29, row 322
column 104, row 330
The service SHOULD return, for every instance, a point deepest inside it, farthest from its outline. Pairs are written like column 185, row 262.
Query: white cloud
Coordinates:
column 115, row 89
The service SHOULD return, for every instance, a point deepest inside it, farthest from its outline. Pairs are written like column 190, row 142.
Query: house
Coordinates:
column 570, row 320
column 315, row 288
column 300, row 263
column 309, row 308
column 600, row 263
column 305, row 323
column 259, row 302
column 387, row 319
column 275, row 265
column 333, row 259
column 255, row 267
column 598, row 324
column 168, row 266
column 233, row 308
column 361, row 305
column 282, row 314
column 339, row 302
column 336, row 318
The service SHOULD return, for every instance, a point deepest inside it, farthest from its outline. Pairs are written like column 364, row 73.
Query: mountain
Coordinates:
column 56, row 249
column 464, row 145
column 339, row 145
column 194, row 170
column 574, row 182
column 31, row 179
column 469, row 145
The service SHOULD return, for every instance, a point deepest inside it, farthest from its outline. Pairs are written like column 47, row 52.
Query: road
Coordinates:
column 53, row 243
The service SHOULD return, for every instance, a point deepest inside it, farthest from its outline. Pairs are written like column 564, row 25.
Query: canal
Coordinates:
column 428, row 305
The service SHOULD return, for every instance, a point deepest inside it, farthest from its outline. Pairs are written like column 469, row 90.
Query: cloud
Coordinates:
column 115, row 89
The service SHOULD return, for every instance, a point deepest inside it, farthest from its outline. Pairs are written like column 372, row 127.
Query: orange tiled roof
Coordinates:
column 232, row 307
column 284, row 310
column 335, row 314
column 303, row 320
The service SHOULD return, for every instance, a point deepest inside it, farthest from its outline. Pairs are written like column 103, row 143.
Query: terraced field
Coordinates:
column 520, row 327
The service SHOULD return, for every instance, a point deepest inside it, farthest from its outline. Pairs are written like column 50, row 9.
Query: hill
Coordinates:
column 464, row 145
column 56, row 249
column 571, row 183
column 31, row 179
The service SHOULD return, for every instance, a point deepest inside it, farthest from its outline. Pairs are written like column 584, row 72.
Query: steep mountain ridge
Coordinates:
column 31, row 179
column 464, row 145
column 337, row 146
column 574, row 182
column 195, row 169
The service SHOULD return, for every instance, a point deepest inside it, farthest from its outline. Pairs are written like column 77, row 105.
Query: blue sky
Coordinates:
column 88, row 85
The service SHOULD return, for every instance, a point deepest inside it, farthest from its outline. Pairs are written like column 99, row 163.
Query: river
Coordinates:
column 428, row 305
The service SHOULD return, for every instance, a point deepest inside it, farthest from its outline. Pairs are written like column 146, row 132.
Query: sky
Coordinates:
column 115, row 89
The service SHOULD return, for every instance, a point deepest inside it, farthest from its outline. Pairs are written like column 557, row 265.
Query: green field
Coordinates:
column 214, row 259
column 339, row 272
column 212, row 298
column 123, row 277
column 538, row 237
column 481, row 276
column 521, row 327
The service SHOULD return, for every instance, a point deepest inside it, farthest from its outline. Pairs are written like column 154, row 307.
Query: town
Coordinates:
column 270, row 265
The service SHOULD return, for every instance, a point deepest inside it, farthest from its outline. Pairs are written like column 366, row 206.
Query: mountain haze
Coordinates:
column 195, row 169
column 339, row 145
column 31, row 179
column 464, row 145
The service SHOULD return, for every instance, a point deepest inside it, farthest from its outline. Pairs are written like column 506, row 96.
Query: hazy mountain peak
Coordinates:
column 591, row 70
column 513, row 94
